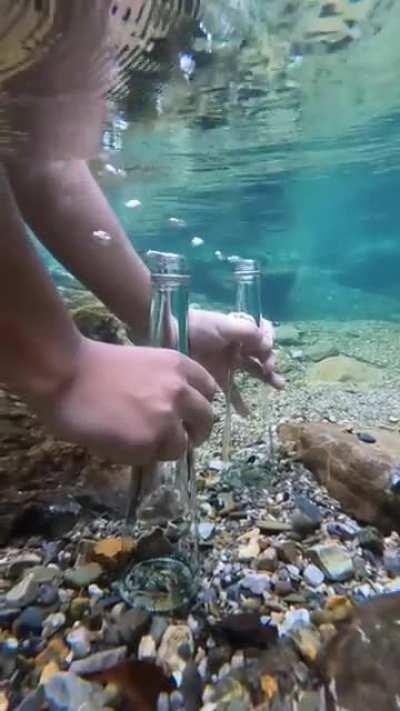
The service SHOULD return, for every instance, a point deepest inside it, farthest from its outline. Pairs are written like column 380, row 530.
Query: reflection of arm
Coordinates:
column 64, row 206
column 38, row 341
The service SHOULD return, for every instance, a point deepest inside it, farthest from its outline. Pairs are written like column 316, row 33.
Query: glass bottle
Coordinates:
column 247, row 303
column 162, row 499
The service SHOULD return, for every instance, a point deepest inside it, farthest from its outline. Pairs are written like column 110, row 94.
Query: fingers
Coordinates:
column 174, row 443
column 263, row 371
column 255, row 341
column 199, row 378
column 238, row 402
column 197, row 416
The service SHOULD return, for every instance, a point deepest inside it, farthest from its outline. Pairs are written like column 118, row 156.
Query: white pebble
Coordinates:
column 133, row 203
column 147, row 647
column 197, row 241
column 177, row 221
column 95, row 591
column 111, row 169
column 79, row 642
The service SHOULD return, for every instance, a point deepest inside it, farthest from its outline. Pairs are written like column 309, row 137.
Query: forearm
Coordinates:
column 38, row 340
column 65, row 208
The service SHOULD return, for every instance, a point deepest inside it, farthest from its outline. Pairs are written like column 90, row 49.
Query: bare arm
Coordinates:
column 38, row 341
column 65, row 208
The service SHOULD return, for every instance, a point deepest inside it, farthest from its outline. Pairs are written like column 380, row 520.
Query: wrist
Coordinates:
column 38, row 370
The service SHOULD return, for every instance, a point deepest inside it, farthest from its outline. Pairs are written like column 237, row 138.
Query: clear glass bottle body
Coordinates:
column 248, row 289
column 162, row 506
column 247, row 303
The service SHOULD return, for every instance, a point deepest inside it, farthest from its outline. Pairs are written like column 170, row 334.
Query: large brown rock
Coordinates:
column 360, row 665
column 358, row 474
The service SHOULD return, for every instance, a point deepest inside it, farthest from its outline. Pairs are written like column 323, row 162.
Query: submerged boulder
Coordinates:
column 342, row 369
column 360, row 666
column 361, row 475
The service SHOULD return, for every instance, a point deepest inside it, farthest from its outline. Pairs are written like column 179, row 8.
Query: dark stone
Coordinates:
column 48, row 595
column 289, row 552
column 192, row 688
column 8, row 615
column 370, row 539
column 33, row 701
column 157, row 629
column 303, row 525
column 246, row 629
column 391, row 561
column 30, row 621
column 132, row 625
column 33, row 646
column 217, row 657
column 363, row 658
column 283, row 587
column 342, row 531
column 365, row 437
column 309, row 509
column 50, row 521
column 153, row 545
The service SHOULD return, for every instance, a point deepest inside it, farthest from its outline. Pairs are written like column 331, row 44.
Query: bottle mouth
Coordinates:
column 166, row 264
column 247, row 267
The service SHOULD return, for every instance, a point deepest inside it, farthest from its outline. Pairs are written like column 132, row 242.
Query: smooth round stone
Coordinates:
column 8, row 615
column 30, row 621
column 313, row 576
column 366, row 437
column 48, row 595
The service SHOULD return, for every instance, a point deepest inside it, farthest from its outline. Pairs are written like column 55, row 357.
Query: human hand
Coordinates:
column 226, row 342
column 132, row 405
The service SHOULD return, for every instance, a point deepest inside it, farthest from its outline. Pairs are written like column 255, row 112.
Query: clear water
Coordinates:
column 298, row 168
column 283, row 146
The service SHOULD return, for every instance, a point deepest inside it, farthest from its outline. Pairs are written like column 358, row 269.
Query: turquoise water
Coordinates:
column 282, row 145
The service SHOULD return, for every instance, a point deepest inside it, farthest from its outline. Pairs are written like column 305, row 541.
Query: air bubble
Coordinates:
column 102, row 237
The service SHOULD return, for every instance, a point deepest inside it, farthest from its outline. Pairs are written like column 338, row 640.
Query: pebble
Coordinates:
column 8, row 615
column 48, row 595
column 249, row 551
column 24, row 593
column 53, row 623
column 78, row 607
column 157, row 628
column 366, row 437
column 268, row 560
column 246, row 629
column 99, row 662
column 294, row 619
column 133, row 624
column 271, row 525
column 30, row 621
column 289, row 552
column 283, row 588
column 147, row 648
column 65, row 691
column 168, row 652
column 95, row 591
column 113, row 553
column 206, row 530
column 345, row 532
column 391, row 561
column 256, row 583
column 370, row 539
column 313, row 576
column 394, row 585
column 335, row 562
column 46, row 574
column 79, row 641
column 19, row 565
column 84, row 575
